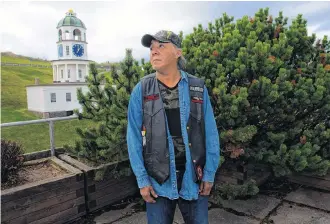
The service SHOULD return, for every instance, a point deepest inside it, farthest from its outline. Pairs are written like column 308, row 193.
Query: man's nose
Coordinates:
column 154, row 51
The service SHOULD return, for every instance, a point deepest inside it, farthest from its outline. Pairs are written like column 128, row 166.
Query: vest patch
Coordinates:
column 151, row 97
column 196, row 99
column 196, row 89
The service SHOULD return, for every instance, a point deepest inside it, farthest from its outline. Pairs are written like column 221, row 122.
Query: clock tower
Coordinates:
column 72, row 56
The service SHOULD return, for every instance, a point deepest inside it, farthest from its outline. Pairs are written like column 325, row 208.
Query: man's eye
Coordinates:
column 161, row 45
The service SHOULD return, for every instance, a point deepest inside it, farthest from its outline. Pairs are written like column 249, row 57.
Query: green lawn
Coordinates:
column 14, row 108
column 22, row 60
column 35, row 137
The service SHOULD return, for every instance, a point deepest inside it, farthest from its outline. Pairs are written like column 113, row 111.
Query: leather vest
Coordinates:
column 155, row 138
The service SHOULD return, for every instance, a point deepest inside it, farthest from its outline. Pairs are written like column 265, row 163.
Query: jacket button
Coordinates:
column 194, row 161
column 190, row 144
column 187, row 127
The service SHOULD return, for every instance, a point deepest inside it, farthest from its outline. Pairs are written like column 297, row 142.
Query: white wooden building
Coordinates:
column 69, row 72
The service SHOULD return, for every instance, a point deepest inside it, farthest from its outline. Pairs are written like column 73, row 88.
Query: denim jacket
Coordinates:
column 189, row 189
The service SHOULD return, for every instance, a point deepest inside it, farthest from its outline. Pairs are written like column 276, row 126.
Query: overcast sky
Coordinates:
column 29, row 27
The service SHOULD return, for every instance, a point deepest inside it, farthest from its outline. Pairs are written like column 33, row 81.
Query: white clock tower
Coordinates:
column 69, row 72
column 72, row 63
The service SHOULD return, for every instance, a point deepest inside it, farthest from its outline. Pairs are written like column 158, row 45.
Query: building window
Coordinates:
column 62, row 73
column 80, row 73
column 68, row 97
column 77, row 34
column 68, row 73
column 53, row 97
column 67, row 50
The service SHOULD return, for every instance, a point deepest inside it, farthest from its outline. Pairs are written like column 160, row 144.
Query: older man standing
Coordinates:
column 173, row 141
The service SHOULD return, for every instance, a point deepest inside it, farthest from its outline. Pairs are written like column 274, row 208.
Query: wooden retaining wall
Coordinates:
column 103, row 192
column 53, row 200
column 319, row 182
column 236, row 173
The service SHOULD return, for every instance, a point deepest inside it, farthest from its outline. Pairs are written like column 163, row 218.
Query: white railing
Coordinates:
column 50, row 121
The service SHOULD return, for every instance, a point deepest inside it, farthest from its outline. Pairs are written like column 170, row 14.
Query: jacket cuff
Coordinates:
column 208, row 176
column 143, row 181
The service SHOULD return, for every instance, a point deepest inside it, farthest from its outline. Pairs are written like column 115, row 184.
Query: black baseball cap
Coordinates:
column 163, row 36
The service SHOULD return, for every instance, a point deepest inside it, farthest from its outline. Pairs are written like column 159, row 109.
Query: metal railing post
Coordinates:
column 50, row 121
column 51, row 136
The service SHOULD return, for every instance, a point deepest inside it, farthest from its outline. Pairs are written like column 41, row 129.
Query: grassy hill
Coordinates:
column 14, row 108
column 9, row 57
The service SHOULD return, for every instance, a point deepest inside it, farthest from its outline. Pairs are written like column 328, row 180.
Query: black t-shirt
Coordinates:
column 170, row 98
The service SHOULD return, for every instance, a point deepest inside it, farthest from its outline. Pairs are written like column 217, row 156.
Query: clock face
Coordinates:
column 60, row 50
column 78, row 50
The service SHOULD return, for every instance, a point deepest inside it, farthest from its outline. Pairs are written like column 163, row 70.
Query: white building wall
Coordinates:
column 61, row 104
column 39, row 97
column 35, row 98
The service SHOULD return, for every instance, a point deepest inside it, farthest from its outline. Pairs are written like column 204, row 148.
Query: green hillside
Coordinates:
column 9, row 57
column 14, row 108
column 13, row 82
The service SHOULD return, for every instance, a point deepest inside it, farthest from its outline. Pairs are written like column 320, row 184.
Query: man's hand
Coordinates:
column 146, row 193
column 205, row 188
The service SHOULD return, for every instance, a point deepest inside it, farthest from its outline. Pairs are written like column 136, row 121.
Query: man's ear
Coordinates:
column 178, row 53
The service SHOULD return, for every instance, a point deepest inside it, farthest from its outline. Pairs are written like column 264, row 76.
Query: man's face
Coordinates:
column 163, row 55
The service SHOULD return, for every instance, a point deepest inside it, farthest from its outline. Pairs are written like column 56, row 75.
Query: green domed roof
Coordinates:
column 71, row 20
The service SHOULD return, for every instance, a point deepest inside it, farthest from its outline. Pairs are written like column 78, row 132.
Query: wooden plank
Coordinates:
column 112, row 190
column 105, row 201
column 75, row 163
column 225, row 179
column 63, row 190
column 101, row 184
column 29, row 189
column 66, row 166
column 60, row 216
column 234, row 174
column 312, row 182
column 41, row 154
column 51, row 210
column 325, row 177
column 36, row 161
column 71, row 219
column 27, row 209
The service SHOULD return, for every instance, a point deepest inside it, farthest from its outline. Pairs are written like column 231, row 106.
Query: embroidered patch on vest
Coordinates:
column 151, row 97
column 196, row 99
column 196, row 89
column 199, row 173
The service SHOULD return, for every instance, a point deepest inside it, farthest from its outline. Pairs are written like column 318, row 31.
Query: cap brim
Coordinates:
column 147, row 38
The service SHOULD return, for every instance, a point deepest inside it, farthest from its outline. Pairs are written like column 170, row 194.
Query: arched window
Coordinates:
column 84, row 36
column 60, row 35
column 77, row 34
column 67, row 35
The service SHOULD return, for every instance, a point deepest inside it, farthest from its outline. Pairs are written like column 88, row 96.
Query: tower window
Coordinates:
column 62, row 73
column 68, row 73
column 80, row 73
column 67, row 50
column 53, row 97
column 77, row 34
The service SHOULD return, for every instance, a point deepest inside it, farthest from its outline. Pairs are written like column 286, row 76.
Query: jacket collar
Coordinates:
column 184, row 75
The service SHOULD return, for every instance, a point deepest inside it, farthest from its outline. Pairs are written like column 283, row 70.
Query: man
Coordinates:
column 173, row 142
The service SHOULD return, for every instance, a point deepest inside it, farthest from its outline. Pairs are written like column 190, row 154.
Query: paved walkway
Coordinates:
column 303, row 206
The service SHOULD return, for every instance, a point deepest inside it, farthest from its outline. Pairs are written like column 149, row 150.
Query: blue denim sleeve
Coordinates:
column 212, row 141
column 134, row 137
